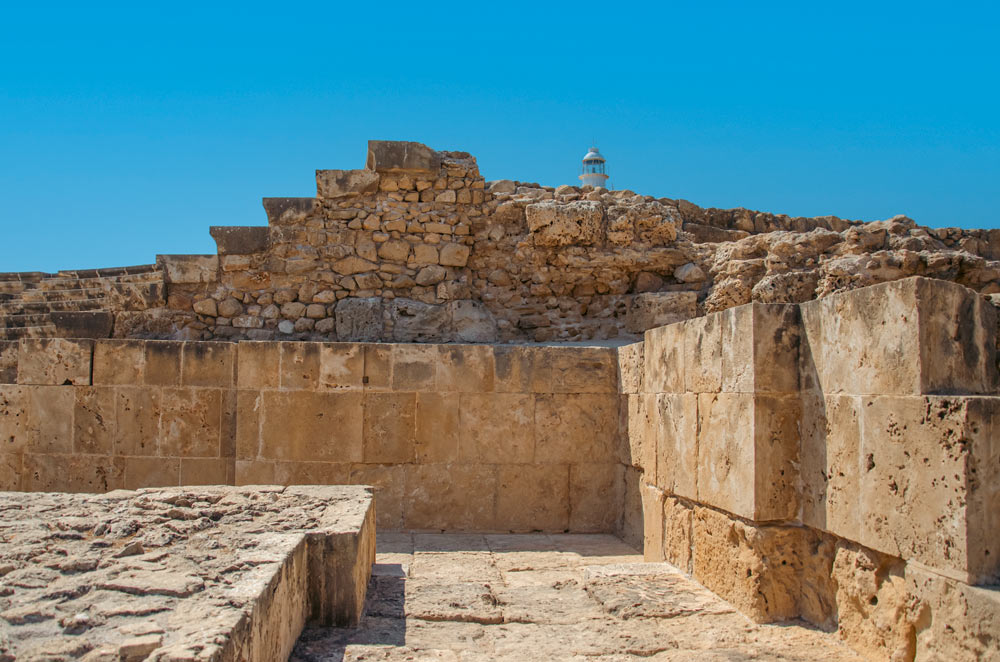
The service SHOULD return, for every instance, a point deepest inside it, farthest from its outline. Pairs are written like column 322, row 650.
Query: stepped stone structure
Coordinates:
column 798, row 414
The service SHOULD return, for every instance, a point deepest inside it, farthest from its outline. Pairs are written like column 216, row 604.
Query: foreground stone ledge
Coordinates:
column 209, row 573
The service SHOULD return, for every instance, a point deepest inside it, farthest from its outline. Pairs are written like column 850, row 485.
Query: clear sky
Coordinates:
column 126, row 130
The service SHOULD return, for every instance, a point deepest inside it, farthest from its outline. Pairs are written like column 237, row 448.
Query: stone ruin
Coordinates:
column 795, row 413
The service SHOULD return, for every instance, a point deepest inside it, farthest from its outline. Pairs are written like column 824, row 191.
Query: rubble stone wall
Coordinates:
column 458, row 437
column 834, row 461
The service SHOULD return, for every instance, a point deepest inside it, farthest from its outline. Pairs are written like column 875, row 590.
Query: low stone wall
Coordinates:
column 212, row 573
column 459, row 437
column 834, row 461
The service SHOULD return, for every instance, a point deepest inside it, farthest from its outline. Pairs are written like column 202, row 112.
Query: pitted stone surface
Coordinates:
column 471, row 598
column 157, row 574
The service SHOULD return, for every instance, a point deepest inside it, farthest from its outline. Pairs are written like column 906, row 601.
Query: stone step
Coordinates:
column 67, row 283
column 20, row 307
column 13, row 287
column 23, row 276
column 64, row 295
column 106, row 272
column 25, row 319
column 16, row 333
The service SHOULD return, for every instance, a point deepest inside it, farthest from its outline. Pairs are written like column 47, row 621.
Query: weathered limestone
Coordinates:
column 220, row 573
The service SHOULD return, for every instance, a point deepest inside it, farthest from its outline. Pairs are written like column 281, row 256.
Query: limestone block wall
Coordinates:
column 458, row 437
column 833, row 461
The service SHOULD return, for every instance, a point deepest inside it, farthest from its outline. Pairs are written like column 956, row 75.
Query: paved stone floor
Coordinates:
column 471, row 598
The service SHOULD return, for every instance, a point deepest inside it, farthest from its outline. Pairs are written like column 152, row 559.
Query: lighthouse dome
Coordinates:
column 593, row 154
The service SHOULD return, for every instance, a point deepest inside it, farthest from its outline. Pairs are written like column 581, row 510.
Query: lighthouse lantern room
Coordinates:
column 592, row 171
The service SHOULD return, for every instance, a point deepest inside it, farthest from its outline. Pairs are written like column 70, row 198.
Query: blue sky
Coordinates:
column 127, row 129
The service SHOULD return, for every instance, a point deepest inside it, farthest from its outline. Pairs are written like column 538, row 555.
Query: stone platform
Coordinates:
column 472, row 598
column 208, row 573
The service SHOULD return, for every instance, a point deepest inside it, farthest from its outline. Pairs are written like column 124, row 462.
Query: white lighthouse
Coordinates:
column 592, row 171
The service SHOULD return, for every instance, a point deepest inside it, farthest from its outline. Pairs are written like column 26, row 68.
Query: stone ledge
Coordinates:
column 222, row 573
column 240, row 240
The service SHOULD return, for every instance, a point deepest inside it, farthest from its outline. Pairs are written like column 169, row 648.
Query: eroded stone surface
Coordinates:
column 546, row 597
column 210, row 573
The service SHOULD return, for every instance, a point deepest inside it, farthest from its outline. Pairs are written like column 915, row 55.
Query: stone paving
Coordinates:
column 471, row 598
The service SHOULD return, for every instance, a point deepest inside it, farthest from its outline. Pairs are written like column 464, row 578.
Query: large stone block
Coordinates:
column 575, row 370
column 137, row 420
column 676, row 443
column 955, row 622
column 457, row 497
column 630, row 528
column 557, row 224
column 190, row 422
column 653, row 309
column 359, row 320
column 71, row 473
column 703, row 354
column 437, row 428
column 413, row 321
column 54, row 361
column 580, row 427
column 400, row 156
column 240, row 240
column 760, row 348
column 343, row 183
column 641, row 422
column 595, row 497
column 189, row 269
column 151, row 472
column 11, row 471
column 497, row 427
column 162, row 363
column 119, row 362
column 748, row 449
column 630, row 367
column 939, row 338
column 389, row 428
column 312, row 473
column 389, row 483
column 311, row 426
column 678, row 518
column 930, row 482
column 415, row 367
column 754, row 568
column 288, row 211
column 208, row 364
column 49, row 418
column 472, row 321
column 300, row 365
column 652, row 523
column 465, row 368
column 258, row 365
column 208, row 471
column 13, row 418
column 533, row 497
column 341, row 366
column 94, row 420
column 664, row 359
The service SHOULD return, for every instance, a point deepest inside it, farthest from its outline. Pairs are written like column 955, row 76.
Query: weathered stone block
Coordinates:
column 575, row 370
column 653, row 309
column 642, row 433
column 595, row 497
column 89, row 323
column 119, row 362
column 49, row 420
column 311, row 426
column 576, row 427
column 11, row 471
column 288, row 211
column 414, row 367
column 653, row 522
column 630, row 367
column 465, row 368
column 419, row 322
column 389, row 483
column 189, row 269
column 748, row 454
column 151, row 472
column 703, row 354
column 8, row 361
column 94, row 421
column 675, row 429
column 137, row 417
column 515, row 368
column 300, row 365
column 532, row 497
column 754, row 568
column 240, row 240
column 343, row 183
column 54, row 361
column 258, row 365
column 458, row 497
column 760, row 348
column 678, row 518
column 557, row 224
column 938, row 336
column 312, row 473
column 631, row 525
column 206, row 471
column 255, row 472
column 437, row 428
column 497, row 427
column 162, row 363
column 663, row 354
column 929, row 475
column 831, row 463
column 399, row 156
column 472, row 321
column 190, row 422
column 389, row 428
column 13, row 418
column 71, row 473
column 341, row 366
column 208, row 364
column 378, row 367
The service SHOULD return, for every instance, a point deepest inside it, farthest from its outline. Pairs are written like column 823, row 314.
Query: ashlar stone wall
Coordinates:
column 833, row 461
column 457, row 437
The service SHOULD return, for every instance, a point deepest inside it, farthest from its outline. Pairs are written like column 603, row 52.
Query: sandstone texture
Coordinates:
column 213, row 573
column 558, row 597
